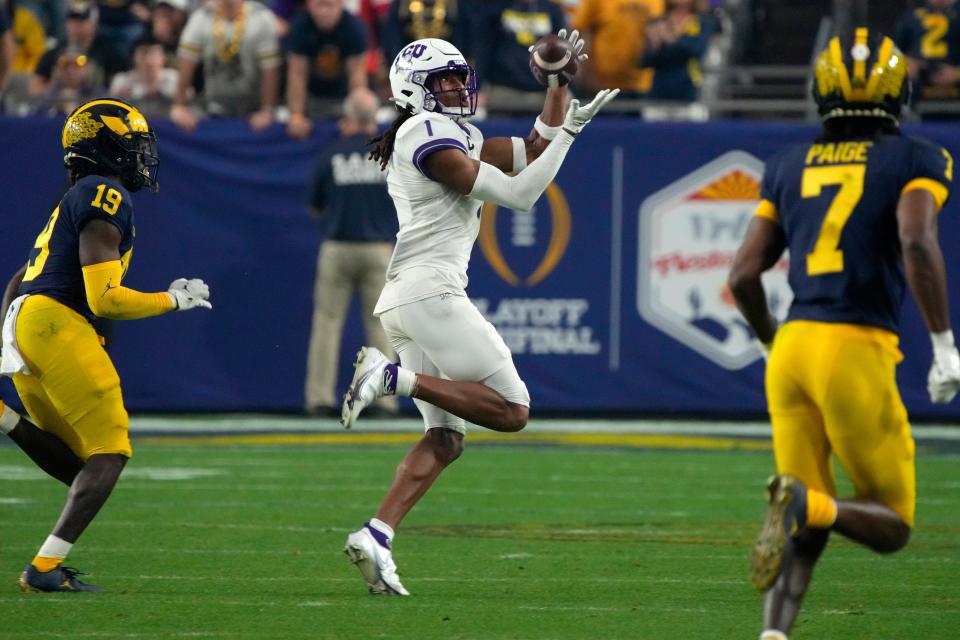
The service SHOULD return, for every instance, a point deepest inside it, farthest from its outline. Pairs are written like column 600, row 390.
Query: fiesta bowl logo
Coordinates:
column 525, row 235
column 689, row 234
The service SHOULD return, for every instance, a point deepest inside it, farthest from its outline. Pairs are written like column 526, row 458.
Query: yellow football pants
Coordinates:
column 74, row 389
column 831, row 388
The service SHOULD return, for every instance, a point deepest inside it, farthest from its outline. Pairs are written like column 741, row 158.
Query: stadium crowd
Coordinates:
column 295, row 60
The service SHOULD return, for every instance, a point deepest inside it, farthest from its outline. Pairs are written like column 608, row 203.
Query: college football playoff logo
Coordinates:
column 524, row 237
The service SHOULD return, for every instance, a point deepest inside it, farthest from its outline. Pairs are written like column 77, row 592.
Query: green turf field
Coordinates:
column 205, row 541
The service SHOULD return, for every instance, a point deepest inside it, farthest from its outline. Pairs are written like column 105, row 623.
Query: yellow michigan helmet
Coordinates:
column 115, row 137
column 860, row 76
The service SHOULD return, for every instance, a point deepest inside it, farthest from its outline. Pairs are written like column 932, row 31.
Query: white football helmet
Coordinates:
column 415, row 63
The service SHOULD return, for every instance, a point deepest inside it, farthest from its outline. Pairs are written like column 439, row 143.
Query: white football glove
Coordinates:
column 189, row 294
column 579, row 116
column 944, row 379
column 576, row 43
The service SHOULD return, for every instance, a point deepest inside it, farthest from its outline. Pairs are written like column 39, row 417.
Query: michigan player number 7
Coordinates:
column 826, row 257
column 862, row 227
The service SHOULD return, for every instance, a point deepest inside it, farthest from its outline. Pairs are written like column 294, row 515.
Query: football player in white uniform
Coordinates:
column 452, row 361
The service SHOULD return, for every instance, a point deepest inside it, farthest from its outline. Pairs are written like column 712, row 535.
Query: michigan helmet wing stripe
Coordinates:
column 883, row 59
column 117, row 125
column 137, row 120
column 859, row 61
column 836, row 56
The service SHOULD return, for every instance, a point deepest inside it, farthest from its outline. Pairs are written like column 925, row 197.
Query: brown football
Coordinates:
column 553, row 61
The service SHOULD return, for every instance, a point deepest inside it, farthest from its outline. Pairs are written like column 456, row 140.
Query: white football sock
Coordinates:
column 8, row 419
column 382, row 527
column 406, row 380
column 54, row 547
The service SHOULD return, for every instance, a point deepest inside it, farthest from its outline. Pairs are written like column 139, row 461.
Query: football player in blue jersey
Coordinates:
column 69, row 386
column 857, row 209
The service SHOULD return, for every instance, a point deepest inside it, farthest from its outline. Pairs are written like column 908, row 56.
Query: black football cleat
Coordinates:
column 59, row 579
column 786, row 516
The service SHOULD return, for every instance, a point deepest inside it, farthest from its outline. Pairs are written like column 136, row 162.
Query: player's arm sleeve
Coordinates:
column 933, row 172
column 109, row 202
column 108, row 299
column 520, row 192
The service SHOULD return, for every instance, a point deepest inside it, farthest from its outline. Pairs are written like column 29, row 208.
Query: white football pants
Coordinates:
column 446, row 336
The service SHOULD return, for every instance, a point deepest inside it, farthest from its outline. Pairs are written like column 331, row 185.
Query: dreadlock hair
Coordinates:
column 839, row 129
column 384, row 142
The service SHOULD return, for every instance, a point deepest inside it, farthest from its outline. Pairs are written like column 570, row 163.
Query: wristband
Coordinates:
column 546, row 131
column 519, row 154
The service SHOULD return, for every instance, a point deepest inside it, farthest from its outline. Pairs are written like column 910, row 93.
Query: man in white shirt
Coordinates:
column 236, row 40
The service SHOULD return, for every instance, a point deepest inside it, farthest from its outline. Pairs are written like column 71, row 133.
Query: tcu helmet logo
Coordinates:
column 689, row 234
column 405, row 58
column 413, row 51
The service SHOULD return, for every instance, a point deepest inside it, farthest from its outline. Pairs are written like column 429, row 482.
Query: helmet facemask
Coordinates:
column 144, row 162
column 466, row 94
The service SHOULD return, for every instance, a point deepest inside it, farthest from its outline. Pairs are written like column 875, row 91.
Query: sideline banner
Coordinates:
column 610, row 291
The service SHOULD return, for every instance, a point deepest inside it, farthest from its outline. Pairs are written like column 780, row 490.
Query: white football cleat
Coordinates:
column 371, row 380
column 375, row 563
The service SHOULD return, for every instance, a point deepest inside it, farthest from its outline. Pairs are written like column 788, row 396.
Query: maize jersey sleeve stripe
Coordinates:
column 768, row 210
column 936, row 189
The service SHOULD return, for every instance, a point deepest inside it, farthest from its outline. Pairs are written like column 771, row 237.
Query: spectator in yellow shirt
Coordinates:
column 614, row 31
